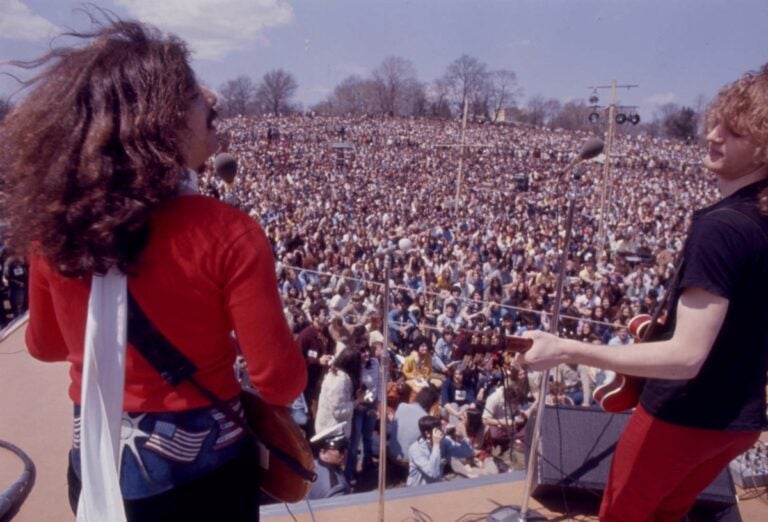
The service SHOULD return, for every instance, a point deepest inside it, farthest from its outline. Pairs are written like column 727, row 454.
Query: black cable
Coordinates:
column 309, row 507
column 420, row 515
column 481, row 516
column 288, row 508
column 14, row 495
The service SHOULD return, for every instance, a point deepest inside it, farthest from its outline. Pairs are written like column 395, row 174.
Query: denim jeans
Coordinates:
column 363, row 422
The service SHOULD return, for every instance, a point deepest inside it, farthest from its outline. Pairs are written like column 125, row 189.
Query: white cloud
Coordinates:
column 18, row 22
column 662, row 98
column 213, row 28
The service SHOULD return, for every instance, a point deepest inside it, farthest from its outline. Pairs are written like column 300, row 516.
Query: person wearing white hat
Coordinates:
column 332, row 446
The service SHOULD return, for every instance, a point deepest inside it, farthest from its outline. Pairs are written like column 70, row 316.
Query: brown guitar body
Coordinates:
column 620, row 394
column 274, row 425
column 623, row 391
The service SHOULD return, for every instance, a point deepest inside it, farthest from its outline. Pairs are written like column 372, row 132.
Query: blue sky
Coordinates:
column 675, row 50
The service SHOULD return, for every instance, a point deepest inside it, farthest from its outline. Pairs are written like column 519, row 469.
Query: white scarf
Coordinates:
column 101, row 399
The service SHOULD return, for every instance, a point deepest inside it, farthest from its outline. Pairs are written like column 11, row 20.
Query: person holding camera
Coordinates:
column 425, row 456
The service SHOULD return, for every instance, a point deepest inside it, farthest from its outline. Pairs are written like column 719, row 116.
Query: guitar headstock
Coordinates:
column 488, row 341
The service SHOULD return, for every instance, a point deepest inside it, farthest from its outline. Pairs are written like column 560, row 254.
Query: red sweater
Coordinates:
column 208, row 269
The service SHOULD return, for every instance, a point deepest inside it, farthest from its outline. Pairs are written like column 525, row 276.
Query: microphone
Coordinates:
column 404, row 245
column 225, row 166
column 591, row 148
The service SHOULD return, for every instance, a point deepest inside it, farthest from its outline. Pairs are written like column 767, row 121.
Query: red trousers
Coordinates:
column 659, row 468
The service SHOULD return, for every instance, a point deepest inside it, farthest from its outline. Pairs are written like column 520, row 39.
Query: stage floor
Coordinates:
column 35, row 414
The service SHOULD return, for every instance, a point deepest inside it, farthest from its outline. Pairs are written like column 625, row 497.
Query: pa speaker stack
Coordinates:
column 576, row 448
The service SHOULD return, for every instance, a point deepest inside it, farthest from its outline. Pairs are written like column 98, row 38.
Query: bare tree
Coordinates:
column 541, row 111
column 397, row 88
column 354, row 95
column 678, row 122
column 438, row 96
column 276, row 89
column 503, row 91
column 573, row 115
column 420, row 102
column 238, row 97
column 466, row 76
column 701, row 106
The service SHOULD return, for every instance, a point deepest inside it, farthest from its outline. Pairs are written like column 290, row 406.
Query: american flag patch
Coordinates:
column 174, row 443
column 229, row 432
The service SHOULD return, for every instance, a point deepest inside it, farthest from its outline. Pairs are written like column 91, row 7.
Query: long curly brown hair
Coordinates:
column 95, row 147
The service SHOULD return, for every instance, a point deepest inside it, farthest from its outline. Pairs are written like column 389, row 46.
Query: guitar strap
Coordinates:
column 175, row 368
column 662, row 305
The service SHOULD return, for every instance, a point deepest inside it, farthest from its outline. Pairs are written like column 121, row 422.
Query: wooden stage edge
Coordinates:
column 35, row 414
column 460, row 499
column 471, row 501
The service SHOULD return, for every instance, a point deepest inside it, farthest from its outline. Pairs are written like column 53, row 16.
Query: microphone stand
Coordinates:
column 383, row 375
column 511, row 513
column 534, row 447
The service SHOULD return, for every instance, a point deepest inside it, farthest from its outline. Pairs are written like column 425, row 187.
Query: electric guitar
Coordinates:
column 623, row 391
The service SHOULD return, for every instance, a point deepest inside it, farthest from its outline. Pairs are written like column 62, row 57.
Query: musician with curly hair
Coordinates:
column 704, row 401
column 100, row 162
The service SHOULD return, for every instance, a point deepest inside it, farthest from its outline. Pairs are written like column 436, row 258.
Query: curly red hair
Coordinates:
column 743, row 107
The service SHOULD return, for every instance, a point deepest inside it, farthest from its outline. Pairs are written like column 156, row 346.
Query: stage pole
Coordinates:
column 534, row 448
column 460, row 174
column 383, row 377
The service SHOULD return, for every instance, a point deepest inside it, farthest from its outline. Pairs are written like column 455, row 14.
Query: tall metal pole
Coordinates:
column 461, row 157
column 383, row 376
column 606, row 181
column 534, row 447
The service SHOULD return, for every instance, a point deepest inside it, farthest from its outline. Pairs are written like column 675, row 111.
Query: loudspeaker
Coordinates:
column 576, row 447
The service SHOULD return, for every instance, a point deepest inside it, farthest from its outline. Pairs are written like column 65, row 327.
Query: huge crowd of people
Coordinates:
column 473, row 225
column 484, row 218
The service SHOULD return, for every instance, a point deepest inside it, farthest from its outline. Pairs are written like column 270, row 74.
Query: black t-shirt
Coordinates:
column 726, row 253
